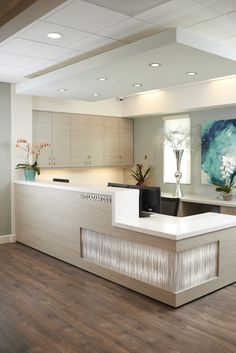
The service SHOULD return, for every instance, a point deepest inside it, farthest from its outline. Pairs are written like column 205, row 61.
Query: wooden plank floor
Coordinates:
column 47, row 306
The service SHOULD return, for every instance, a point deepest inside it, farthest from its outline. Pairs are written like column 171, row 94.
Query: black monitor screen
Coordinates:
column 150, row 197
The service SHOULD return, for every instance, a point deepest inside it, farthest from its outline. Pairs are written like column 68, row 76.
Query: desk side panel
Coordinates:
column 226, row 263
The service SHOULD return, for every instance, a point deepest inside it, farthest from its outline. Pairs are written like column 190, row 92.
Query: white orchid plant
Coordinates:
column 31, row 149
column 228, row 172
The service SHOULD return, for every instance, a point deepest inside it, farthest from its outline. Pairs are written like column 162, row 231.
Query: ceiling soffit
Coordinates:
column 178, row 50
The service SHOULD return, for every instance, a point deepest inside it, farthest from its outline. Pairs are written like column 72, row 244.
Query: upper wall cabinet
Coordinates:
column 111, row 141
column 82, row 140
column 126, row 133
column 118, row 141
column 42, row 133
column 53, row 128
column 87, row 134
column 60, row 140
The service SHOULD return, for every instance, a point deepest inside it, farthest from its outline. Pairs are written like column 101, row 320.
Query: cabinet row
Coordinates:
column 81, row 140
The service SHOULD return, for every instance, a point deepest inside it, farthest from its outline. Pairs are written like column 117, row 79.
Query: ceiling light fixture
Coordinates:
column 137, row 84
column 102, row 79
column 191, row 73
column 62, row 89
column 95, row 94
column 54, row 35
column 154, row 64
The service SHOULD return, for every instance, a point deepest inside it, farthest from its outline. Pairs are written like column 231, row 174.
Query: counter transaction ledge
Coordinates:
column 171, row 259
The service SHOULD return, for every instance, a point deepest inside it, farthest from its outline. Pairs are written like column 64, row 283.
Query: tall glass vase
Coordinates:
column 178, row 175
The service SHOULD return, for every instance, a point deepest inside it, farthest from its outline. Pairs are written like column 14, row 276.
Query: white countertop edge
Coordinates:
column 173, row 236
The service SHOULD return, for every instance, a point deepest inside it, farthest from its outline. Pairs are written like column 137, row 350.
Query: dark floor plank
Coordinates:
column 48, row 306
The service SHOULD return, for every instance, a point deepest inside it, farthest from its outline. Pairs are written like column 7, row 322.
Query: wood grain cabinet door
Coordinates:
column 79, row 140
column 87, row 133
column 126, row 142
column 111, row 142
column 60, row 140
column 95, row 145
column 118, row 141
column 42, row 132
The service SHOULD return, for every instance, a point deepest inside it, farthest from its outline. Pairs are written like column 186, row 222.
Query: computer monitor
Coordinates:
column 150, row 198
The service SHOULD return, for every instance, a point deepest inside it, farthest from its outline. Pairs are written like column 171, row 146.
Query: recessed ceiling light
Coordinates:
column 154, row 64
column 95, row 94
column 102, row 79
column 137, row 84
column 54, row 35
column 62, row 89
column 191, row 73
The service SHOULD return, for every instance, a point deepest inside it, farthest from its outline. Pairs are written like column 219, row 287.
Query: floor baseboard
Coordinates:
column 4, row 239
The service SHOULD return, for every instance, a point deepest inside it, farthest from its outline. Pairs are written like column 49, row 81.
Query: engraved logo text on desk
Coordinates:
column 96, row 197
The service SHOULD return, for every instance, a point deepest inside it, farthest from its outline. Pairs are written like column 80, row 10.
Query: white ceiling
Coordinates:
column 95, row 26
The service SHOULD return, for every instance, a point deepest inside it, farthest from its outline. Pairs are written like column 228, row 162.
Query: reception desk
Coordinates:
column 171, row 259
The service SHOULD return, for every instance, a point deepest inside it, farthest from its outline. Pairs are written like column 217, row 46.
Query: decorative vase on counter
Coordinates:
column 29, row 174
column 227, row 196
column 178, row 175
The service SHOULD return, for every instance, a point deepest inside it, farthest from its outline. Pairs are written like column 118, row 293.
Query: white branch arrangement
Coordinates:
column 178, row 139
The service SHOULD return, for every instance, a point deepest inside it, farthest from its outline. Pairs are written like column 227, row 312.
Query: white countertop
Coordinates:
column 210, row 200
column 178, row 228
column 125, row 213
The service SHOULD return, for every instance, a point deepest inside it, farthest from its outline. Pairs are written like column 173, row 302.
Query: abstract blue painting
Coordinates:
column 218, row 138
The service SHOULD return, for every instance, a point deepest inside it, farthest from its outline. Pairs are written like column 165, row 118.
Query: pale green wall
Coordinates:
column 146, row 131
column 5, row 158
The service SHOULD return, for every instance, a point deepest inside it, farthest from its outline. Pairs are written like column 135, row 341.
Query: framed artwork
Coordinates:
column 218, row 138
